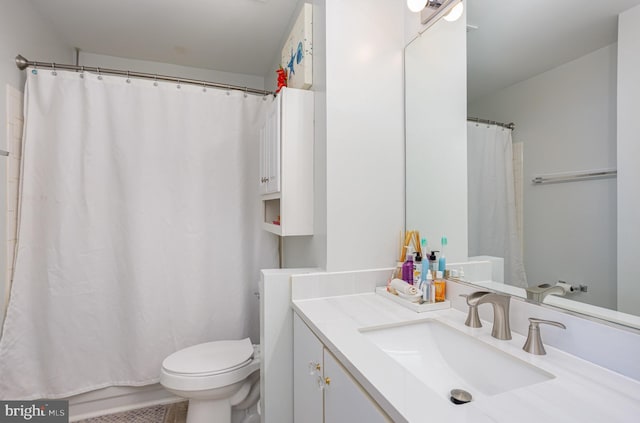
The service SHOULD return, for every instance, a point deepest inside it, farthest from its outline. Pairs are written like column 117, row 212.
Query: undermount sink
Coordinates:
column 444, row 358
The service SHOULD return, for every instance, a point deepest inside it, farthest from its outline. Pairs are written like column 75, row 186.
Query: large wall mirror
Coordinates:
column 543, row 193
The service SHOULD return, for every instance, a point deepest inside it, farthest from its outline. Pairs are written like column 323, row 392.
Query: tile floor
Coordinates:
column 169, row 413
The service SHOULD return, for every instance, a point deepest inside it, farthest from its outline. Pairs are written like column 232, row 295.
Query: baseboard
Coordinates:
column 118, row 399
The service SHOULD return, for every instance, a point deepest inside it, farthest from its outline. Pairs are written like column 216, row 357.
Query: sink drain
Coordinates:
column 460, row 396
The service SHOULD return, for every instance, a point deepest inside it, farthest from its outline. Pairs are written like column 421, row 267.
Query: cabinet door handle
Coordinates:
column 323, row 383
column 314, row 368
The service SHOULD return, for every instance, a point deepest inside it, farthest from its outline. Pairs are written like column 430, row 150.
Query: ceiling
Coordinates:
column 517, row 39
column 241, row 36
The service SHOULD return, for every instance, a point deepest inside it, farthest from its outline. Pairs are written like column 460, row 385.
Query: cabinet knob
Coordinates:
column 314, row 367
column 327, row 381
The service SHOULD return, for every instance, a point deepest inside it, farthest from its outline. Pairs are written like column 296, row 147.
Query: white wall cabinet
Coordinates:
column 323, row 389
column 286, row 164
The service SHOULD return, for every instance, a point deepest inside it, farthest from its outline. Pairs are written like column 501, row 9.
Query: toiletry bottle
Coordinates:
column 440, row 287
column 407, row 267
column 417, row 269
column 433, row 261
column 432, row 291
column 427, row 287
column 442, row 263
column 425, row 260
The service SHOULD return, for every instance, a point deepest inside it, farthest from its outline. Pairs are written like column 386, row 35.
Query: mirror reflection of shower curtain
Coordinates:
column 139, row 231
column 491, row 198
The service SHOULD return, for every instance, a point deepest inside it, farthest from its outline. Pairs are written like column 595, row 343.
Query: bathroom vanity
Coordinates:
column 387, row 363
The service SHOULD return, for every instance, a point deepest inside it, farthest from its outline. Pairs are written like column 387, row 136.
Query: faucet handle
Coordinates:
column 473, row 320
column 536, row 321
column 474, row 297
column 534, row 343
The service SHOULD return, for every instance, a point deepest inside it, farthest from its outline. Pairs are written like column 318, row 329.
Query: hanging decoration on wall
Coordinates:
column 282, row 78
column 297, row 56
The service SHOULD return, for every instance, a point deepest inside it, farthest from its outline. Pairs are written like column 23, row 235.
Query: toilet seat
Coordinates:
column 210, row 358
column 209, row 366
column 211, row 373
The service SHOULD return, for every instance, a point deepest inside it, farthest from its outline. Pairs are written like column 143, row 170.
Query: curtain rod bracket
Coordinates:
column 21, row 62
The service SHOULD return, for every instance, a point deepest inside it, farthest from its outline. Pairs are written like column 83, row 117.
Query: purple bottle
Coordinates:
column 407, row 267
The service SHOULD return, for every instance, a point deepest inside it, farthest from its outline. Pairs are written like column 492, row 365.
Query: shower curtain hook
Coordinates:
column 81, row 71
column 178, row 86
column 228, row 88
column 53, row 72
column 246, row 89
column 128, row 80
column 204, row 87
column 99, row 75
column 155, row 80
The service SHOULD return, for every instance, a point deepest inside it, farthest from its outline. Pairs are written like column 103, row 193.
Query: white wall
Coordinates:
column 567, row 121
column 365, row 125
column 103, row 61
column 628, row 154
column 311, row 251
column 436, row 81
column 359, row 190
column 22, row 31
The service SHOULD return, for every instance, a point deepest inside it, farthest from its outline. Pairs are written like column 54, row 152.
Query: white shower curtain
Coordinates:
column 491, row 200
column 139, row 231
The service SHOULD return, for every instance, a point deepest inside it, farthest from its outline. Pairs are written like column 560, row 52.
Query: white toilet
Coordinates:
column 214, row 377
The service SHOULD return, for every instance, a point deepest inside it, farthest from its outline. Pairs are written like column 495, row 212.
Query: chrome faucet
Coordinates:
column 537, row 293
column 500, row 303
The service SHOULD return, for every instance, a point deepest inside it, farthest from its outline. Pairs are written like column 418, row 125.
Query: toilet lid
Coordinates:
column 211, row 357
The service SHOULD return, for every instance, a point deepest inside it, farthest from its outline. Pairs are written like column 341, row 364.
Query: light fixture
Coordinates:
column 416, row 5
column 455, row 13
column 432, row 10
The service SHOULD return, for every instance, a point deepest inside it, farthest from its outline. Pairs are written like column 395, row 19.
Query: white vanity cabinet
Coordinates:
column 286, row 163
column 323, row 389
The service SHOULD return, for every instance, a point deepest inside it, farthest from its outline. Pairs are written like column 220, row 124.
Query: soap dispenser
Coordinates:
column 417, row 269
column 433, row 261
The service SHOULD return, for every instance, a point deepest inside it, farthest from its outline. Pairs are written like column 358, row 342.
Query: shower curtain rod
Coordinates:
column 22, row 63
column 509, row 125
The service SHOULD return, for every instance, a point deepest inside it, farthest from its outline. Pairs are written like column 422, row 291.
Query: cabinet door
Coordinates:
column 344, row 399
column 273, row 140
column 307, row 374
column 263, row 157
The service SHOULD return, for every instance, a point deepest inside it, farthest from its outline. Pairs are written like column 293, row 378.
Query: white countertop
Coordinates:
column 580, row 392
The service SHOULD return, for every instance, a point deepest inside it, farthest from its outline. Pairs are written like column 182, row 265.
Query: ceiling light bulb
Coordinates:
column 455, row 13
column 416, row 5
